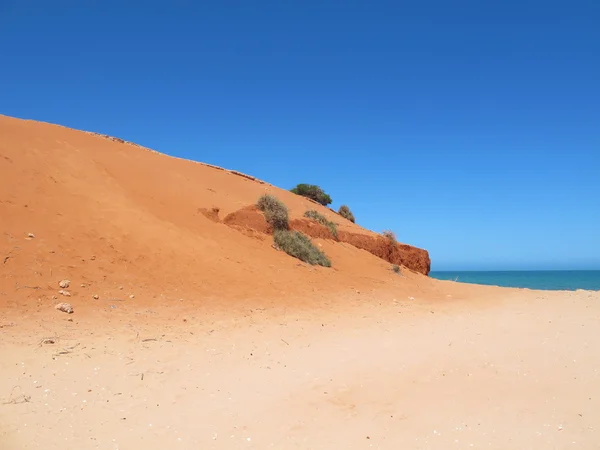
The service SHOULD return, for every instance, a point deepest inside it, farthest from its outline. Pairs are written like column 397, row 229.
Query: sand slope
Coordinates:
column 110, row 214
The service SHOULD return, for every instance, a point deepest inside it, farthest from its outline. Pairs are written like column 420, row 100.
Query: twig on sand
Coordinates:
column 17, row 287
column 67, row 350
column 49, row 340
column 285, row 341
column 141, row 374
column 19, row 399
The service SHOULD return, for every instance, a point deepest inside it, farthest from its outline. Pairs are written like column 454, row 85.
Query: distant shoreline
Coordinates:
column 549, row 280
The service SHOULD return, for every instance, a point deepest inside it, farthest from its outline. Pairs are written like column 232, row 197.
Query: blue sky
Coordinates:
column 470, row 128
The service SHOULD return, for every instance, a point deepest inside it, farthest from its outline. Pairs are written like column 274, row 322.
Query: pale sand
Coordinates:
column 518, row 371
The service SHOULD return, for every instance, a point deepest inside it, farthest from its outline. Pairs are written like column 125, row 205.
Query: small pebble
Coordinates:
column 65, row 307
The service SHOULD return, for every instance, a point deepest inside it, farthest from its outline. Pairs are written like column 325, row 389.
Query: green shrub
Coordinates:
column 389, row 235
column 313, row 192
column 276, row 213
column 396, row 268
column 345, row 212
column 299, row 246
column 320, row 218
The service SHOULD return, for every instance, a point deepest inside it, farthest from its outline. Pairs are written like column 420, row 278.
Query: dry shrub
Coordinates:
column 320, row 218
column 275, row 211
column 345, row 212
column 388, row 234
column 313, row 192
column 299, row 246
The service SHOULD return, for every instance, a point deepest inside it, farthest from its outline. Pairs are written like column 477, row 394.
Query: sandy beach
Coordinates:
column 515, row 370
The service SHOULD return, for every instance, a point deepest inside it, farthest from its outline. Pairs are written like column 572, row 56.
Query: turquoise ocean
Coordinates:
column 568, row 280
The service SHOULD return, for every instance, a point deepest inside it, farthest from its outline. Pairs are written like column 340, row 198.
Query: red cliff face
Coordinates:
column 413, row 258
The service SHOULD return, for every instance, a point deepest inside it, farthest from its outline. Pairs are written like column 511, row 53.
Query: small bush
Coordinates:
column 276, row 213
column 389, row 235
column 345, row 212
column 320, row 218
column 313, row 192
column 299, row 246
column 396, row 268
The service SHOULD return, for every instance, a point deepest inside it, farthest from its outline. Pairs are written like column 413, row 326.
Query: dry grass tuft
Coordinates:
column 299, row 246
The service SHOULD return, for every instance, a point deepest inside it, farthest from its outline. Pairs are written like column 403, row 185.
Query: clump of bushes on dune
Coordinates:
column 320, row 218
column 275, row 211
column 345, row 212
column 300, row 246
column 293, row 243
column 396, row 268
column 313, row 192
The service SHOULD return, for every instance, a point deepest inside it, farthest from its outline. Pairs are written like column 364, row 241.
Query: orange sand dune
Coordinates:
column 111, row 214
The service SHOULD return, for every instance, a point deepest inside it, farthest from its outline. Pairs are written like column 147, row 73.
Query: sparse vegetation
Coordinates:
column 300, row 246
column 389, row 235
column 320, row 218
column 276, row 213
column 293, row 243
column 345, row 212
column 396, row 268
column 313, row 192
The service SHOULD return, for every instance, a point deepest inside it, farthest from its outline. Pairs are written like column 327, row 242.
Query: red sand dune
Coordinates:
column 116, row 214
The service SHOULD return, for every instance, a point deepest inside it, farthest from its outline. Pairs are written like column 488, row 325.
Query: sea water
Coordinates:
column 569, row 280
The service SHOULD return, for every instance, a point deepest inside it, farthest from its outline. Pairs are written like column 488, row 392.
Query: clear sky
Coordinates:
column 470, row 128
